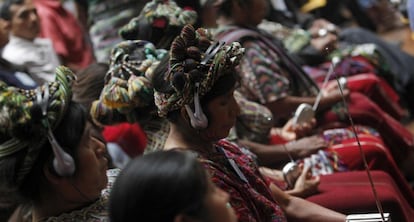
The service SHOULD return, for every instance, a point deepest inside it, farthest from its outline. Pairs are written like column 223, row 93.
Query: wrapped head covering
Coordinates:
column 195, row 66
column 128, row 81
column 159, row 14
column 26, row 116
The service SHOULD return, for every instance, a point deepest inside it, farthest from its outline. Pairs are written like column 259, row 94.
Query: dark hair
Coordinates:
column 68, row 134
column 160, row 185
column 223, row 85
column 226, row 6
column 5, row 12
column 89, row 84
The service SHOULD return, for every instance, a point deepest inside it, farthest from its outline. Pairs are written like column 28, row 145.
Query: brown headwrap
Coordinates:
column 160, row 14
column 128, row 81
column 195, row 65
column 23, row 123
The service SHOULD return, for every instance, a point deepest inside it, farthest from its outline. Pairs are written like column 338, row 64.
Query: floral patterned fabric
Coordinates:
column 237, row 174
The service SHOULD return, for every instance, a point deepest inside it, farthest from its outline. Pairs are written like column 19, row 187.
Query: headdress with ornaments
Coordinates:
column 28, row 117
column 159, row 14
column 128, row 81
column 196, row 63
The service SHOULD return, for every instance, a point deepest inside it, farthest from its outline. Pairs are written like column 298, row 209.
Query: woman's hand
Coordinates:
column 324, row 43
column 306, row 184
column 330, row 96
column 291, row 131
column 306, row 146
column 319, row 24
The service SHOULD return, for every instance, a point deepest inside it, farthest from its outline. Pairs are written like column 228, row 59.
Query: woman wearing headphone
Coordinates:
column 53, row 162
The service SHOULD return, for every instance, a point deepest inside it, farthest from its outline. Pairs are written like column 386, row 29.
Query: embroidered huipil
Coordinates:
column 249, row 193
column 95, row 212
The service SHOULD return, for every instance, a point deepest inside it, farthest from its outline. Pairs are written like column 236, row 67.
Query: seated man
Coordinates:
column 25, row 49
column 11, row 75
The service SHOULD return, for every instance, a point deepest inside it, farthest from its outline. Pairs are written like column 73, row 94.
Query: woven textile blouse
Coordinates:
column 95, row 212
column 237, row 174
column 266, row 77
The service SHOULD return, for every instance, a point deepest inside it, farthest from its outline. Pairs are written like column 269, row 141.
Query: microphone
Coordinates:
column 291, row 171
column 305, row 112
column 377, row 217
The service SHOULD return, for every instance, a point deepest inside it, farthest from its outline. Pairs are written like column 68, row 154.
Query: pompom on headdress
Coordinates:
column 160, row 14
column 128, row 81
column 196, row 63
column 27, row 117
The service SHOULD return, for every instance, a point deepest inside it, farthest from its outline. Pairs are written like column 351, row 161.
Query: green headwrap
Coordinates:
column 191, row 62
column 128, row 81
column 22, row 123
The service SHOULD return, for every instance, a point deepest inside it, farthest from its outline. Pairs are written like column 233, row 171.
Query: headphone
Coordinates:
column 63, row 163
column 198, row 119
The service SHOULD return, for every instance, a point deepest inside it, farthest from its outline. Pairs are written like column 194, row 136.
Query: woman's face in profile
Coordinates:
column 90, row 177
column 223, row 111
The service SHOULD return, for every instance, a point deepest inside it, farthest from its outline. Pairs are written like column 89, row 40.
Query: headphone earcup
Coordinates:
column 197, row 121
column 63, row 164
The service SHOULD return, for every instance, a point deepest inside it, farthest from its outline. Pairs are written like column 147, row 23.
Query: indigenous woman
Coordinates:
column 271, row 77
column 198, row 101
column 190, row 196
column 133, row 62
column 52, row 157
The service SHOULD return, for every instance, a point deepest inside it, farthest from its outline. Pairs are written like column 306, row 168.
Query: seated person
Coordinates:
column 189, row 196
column 68, row 37
column 9, row 73
column 270, row 76
column 53, row 160
column 398, row 63
column 25, row 49
column 133, row 63
column 126, row 95
column 198, row 101
column 124, row 140
column 102, row 19
column 178, row 94
column 327, row 151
